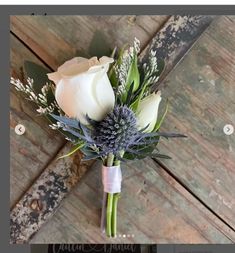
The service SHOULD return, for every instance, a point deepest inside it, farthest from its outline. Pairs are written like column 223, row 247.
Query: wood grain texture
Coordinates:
column 78, row 218
column 175, row 38
column 31, row 155
column 31, row 152
column 201, row 91
column 153, row 208
column 19, row 53
column 43, row 198
column 64, row 37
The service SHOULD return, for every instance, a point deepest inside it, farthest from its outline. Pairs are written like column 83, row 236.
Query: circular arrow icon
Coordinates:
column 20, row 129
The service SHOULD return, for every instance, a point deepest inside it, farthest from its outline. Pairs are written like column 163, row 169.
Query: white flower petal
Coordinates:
column 148, row 111
column 55, row 77
column 83, row 88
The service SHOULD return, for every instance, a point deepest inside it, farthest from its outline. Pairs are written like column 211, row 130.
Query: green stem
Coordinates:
column 112, row 201
column 109, row 215
column 114, row 214
column 110, row 159
column 115, row 202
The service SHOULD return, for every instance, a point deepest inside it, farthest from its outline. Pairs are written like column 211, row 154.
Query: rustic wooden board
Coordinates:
column 30, row 156
column 153, row 207
column 202, row 101
column 42, row 199
column 30, row 153
column 64, row 37
column 75, row 232
column 176, row 37
column 19, row 53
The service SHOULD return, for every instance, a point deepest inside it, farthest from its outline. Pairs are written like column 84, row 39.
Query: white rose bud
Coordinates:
column 83, row 88
column 147, row 111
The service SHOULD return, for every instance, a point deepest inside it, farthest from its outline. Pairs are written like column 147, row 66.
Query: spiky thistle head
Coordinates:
column 117, row 131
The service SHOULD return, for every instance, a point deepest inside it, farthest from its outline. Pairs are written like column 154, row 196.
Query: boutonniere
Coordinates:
column 108, row 109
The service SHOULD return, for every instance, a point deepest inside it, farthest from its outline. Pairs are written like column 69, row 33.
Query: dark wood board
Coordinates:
column 201, row 91
column 48, row 232
column 153, row 208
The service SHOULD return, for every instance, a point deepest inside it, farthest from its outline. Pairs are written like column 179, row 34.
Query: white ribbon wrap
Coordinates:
column 111, row 179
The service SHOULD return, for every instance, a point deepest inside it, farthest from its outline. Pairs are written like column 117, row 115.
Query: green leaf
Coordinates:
column 38, row 74
column 65, row 133
column 111, row 74
column 74, row 149
column 134, row 106
column 133, row 75
column 113, row 52
column 129, row 94
column 67, row 121
column 146, row 149
column 130, row 156
column 89, row 153
column 172, row 135
column 160, row 156
column 99, row 45
column 160, row 121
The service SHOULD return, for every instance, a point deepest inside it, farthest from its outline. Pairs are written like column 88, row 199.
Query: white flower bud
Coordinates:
column 147, row 111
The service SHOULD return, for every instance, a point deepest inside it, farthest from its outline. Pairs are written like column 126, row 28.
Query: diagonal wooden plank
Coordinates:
column 61, row 178
column 175, row 38
column 201, row 92
column 31, row 152
column 70, row 36
column 44, row 196
column 27, row 150
column 153, row 208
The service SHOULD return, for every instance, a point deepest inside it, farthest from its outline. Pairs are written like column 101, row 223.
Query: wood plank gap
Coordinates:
column 30, row 49
column 193, row 194
column 22, row 231
column 49, row 67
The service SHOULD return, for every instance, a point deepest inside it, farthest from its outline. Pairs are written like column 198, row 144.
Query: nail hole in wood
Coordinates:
column 36, row 205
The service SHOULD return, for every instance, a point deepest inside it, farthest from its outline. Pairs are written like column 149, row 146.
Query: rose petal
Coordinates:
column 55, row 77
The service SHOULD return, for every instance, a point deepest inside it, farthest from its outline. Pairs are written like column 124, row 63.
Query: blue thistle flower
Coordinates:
column 117, row 131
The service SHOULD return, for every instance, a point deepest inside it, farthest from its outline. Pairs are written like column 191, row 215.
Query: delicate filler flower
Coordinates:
column 127, row 58
column 56, row 125
column 41, row 99
column 83, row 87
column 150, row 68
column 100, row 125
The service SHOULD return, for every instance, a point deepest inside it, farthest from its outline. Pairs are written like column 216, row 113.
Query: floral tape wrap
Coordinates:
column 111, row 179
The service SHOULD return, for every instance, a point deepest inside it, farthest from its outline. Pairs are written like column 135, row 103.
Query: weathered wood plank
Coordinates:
column 86, row 45
column 30, row 155
column 201, row 92
column 153, row 207
column 64, row 37
column 19, row 54
column 42, row 199
column 175, row 39
column 32, row 151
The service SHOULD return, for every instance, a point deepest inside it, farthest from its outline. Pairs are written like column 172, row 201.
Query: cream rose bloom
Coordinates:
column 83, row 88
column 147, row 111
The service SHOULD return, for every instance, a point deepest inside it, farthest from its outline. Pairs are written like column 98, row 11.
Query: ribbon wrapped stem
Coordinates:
column 111, row 179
